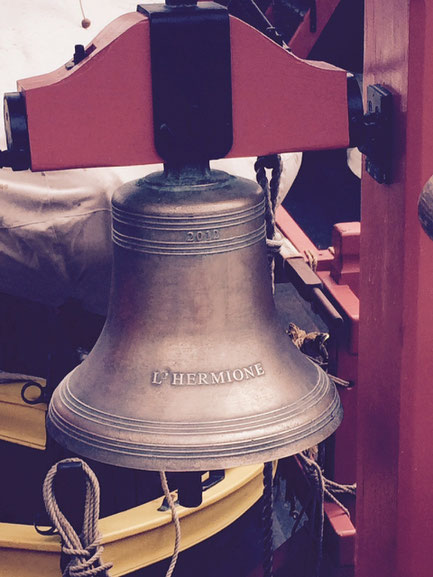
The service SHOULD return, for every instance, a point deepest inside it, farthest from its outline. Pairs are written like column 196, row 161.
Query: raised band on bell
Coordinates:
column 239, row 391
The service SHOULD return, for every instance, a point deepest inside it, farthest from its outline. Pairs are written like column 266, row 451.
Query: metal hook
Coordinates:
column 37, row 400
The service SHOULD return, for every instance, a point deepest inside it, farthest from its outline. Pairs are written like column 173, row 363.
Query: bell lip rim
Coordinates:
column 96, row 416
column 192, row 463
column 192, row 456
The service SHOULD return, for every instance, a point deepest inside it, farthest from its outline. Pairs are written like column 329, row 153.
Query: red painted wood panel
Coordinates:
column 100, row 112
column 395, row 395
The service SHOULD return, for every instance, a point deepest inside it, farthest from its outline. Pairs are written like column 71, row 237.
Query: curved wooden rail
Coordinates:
column 140, row 536
column 133, row 538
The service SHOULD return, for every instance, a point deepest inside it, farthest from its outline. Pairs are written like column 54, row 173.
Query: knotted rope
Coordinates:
column 84, row 550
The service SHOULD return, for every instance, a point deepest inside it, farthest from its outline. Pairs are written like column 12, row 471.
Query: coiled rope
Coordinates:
column 84, row 550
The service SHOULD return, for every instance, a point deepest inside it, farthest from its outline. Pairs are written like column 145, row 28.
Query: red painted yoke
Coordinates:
column 99, row 112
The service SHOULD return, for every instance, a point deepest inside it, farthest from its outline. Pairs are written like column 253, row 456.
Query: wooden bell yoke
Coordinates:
column 97, row 110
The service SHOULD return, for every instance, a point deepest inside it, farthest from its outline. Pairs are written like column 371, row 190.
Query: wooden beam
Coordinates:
column 395, row 396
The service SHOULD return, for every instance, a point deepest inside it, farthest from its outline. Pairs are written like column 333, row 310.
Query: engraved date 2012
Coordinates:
column 202, row 235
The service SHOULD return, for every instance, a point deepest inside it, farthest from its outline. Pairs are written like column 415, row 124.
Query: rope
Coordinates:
column 313, row 345
column 175, row 518
column 324, row 489
column 270, row 191
column 311, row 260
column 314, row 472
column 85, row 550
column 267, row 520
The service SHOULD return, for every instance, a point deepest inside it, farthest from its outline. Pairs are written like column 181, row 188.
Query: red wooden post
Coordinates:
column 395, row 395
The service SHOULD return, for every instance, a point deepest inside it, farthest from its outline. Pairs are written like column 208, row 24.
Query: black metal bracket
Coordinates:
column 191, row 80
column 378, row 129
column 372, row 132
column 42, row 398
column 191, row 487
column 17, row 156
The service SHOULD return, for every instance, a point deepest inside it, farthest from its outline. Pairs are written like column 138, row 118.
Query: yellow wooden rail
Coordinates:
column 137, row 537
column 21, row 423
column 133, row 538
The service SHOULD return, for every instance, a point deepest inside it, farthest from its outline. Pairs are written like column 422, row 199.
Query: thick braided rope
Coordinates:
column 270, row 191
column 267, row 520
column 175, row 518
column 325, row 489
column 85, row 550
column 270, row 188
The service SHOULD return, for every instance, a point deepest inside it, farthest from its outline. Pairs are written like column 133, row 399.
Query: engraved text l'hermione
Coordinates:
column 211, row 378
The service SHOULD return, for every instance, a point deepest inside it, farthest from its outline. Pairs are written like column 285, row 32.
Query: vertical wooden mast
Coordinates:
column 395, row 416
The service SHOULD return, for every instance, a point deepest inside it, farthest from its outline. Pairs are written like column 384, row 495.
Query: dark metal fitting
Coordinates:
column 79, row 54
column 42, row 398
column 214, row 478
column 191, row 488
column 191, row 80
column 17, row 155
column 74, row 465
column 372, row 132
column 180, row 3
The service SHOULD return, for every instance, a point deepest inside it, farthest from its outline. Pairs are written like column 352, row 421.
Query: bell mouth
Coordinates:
column 194, row 446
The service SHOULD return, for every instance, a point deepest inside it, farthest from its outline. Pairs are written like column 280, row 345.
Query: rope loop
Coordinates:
column 84, row 550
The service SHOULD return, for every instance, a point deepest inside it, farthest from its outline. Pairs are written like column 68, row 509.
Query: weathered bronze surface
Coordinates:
column 192, row 370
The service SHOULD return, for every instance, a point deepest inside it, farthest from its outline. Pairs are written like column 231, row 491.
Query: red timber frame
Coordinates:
column 395, row 396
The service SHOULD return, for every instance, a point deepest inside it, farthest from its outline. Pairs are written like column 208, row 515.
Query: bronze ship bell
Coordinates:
column 192, row 370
